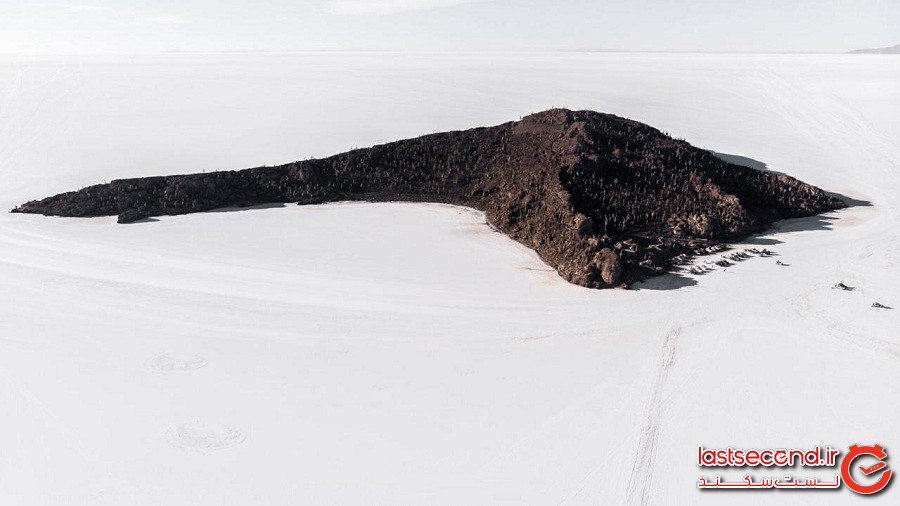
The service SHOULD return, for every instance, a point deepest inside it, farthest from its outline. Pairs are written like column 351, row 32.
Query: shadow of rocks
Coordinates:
column 671, row 281
column 758, row 165
column 818, row 222
column 810, row 223
column 741, row 160
column 851, row 202
column 761, row 241
column 232, row 209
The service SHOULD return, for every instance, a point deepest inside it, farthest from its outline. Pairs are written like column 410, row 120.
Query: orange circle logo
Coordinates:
column 876, row 451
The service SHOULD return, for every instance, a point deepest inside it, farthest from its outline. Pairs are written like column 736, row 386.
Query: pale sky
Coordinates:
column 124, row 26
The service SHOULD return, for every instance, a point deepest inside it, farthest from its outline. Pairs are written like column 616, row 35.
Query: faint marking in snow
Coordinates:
column 204, row 437
column 166, row 363
column 329, row 352
column 642, row 469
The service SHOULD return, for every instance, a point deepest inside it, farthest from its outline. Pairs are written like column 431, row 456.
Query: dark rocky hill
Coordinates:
column 602, row 199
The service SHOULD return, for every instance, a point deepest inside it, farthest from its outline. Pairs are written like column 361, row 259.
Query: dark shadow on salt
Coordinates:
column 817, row 222
column 741, row 160
column 851, row 202
column 761, row 241
column 763, row 166
column 671, row 281
column 232, row 209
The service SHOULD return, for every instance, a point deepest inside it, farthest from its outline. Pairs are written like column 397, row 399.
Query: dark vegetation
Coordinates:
column 602, row 199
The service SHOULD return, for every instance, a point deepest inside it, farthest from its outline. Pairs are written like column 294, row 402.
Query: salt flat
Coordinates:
column 408, row 354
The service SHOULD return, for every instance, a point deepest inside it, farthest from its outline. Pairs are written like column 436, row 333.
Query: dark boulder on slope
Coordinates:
column 602, row 199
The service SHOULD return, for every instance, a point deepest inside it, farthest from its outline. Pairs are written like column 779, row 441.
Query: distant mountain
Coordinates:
column 880, row 50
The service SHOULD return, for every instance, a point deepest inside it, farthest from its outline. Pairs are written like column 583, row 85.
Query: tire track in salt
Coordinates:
column 165, row 363
column 203, row 437
column 639, row 482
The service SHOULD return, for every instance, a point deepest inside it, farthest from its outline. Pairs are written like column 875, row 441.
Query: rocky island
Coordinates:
column 602, row 199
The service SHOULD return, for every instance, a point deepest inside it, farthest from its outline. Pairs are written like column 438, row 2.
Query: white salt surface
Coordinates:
column 407, row 354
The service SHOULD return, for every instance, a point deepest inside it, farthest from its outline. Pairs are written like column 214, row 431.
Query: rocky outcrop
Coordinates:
column 602, row 199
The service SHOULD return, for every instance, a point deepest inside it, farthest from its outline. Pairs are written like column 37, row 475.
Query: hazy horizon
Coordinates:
column 705, row 26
